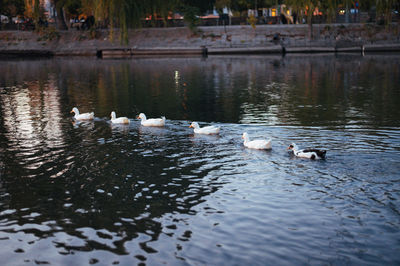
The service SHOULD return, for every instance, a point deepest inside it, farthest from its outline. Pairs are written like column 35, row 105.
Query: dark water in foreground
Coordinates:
column 93, row 193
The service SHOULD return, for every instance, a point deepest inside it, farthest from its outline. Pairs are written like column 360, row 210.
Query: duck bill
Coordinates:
column 190, row 126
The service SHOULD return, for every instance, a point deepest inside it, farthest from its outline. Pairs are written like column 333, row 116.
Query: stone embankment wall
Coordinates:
column 216, row 39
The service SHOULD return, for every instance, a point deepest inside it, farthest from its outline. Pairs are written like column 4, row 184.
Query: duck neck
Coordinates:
column 295, row 148
column 246, row 138
column 76, row 111
column 113, row 116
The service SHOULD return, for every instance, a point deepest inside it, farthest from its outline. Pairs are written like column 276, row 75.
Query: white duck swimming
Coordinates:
column 118, row 120
column 151, row 122
column 84, row 116
column 313, row 154
column 208, row 130
column 259, row 144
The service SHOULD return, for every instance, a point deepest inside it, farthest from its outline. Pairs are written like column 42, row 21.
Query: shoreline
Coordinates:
column 213, row 40
column 127, row 52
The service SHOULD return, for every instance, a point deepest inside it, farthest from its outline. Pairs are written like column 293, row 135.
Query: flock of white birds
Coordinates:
column 259, row 144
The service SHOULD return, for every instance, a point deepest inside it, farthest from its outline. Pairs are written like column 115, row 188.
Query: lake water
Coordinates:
column 78, row 193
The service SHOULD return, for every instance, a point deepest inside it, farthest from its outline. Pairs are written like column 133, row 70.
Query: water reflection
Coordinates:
column 31, row 119
column 334, row 90
column 95, row 192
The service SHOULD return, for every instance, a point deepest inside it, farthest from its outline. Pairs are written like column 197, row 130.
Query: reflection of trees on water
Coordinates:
column 84, row 180
column 291, row 90
column 61, row 177
column 316, row 91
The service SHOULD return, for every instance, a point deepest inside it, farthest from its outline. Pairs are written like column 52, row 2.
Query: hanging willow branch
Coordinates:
column 384, row 8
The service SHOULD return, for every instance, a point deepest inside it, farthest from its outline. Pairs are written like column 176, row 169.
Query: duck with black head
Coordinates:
column 313, row 154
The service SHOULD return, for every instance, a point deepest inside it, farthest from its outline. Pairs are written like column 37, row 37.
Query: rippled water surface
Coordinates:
column 78, row 193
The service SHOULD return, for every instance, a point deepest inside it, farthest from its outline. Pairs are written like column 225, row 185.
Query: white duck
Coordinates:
column 307, row 153
column 118, row 120
column 259, row 144
column 84, row 116
column 208, row 130
column 151, row 122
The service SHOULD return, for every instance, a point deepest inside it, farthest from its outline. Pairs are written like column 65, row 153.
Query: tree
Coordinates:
column 201, row 5
column 385, row 8
column 60, row 18
column 219, row 4
column 12, row 8
column 330, row 8
column 34, row 11
column 307, row 8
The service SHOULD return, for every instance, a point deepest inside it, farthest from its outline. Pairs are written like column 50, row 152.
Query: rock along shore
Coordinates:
column 264, row 39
